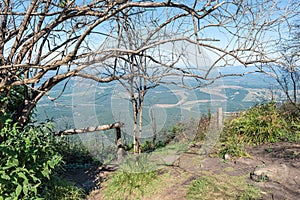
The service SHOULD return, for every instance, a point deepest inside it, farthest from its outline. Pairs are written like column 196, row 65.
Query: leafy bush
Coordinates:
column 10, row 101
column 291, row 113
column 28, row 158
column 261, row 124
column 30, row 165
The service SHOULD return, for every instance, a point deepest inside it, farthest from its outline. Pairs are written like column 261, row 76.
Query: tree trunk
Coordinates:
column 136, row 144
column 22, row 117
column 153, row 128
column 140, row 123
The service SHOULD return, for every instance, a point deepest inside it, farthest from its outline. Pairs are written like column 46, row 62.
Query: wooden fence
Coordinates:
column 221, row 116
column 217, row 119
column 116, row 125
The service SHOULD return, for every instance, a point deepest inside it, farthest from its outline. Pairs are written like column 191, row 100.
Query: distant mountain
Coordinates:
column 232, row 93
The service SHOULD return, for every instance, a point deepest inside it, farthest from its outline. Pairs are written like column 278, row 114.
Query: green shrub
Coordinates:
column 260, row 124
column 263, row 123
column 30, row 164
column 10, row 101
column 28, row 158
column 291, row 113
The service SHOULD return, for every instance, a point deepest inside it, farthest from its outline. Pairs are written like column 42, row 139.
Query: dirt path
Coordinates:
column 275, row 168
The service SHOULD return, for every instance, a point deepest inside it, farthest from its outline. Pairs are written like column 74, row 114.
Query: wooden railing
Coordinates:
column 221, row 116
column 116, row 125
column 231, row 114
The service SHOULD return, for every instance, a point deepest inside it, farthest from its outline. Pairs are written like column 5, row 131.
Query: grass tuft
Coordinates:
column 131, row 180
column 213, row 186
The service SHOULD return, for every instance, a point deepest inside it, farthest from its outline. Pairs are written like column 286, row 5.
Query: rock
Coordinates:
column 248, row 162
column 227, row 157
column 170, row 159
column 273, row 172
column 296, row 164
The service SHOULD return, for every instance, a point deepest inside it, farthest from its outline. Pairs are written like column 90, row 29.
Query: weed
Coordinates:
column 212, row 186
column 269, row 150
column 261, row 124
column 60, row 189
column 130, row 181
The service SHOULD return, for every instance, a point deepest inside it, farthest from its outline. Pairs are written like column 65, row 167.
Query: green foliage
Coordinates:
column 147, row 146
column 178, row 128
column 215, row 186
column 74, row 153
column 261, row 124
column 258, row 125
column 63, row 3
column 30, row 164
column 60, row 189
column 131, row 180
column 28, row 159
column 203, row 127
column 233, row 148
column 291, row 113
column 10, row 101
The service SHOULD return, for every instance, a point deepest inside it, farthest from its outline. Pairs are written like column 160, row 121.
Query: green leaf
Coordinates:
column 12, row 162
column 46, row 172
column 34, row 188
column 35, row 179
column 25, row 189
column 22, row 175
column 18, row 190
column 5, row 176
column 34, row 157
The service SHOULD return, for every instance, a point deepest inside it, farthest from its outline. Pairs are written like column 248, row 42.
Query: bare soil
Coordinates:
column 275, row 168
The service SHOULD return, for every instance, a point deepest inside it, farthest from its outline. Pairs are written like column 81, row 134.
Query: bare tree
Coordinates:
column 166, row 46
column 144, row 70
column 286, row 70
column 43, row 43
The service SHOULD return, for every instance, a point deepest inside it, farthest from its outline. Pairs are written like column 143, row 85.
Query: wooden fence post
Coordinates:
column 220, row 118
column 118, row 137
column 120, row 151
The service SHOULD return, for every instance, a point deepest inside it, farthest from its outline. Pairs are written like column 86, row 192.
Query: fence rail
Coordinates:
column 116, row 125
column 231, row 114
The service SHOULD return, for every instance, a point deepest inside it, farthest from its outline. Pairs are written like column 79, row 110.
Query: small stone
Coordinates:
column 274, row 172
column 227, row 157
column 296, row 164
